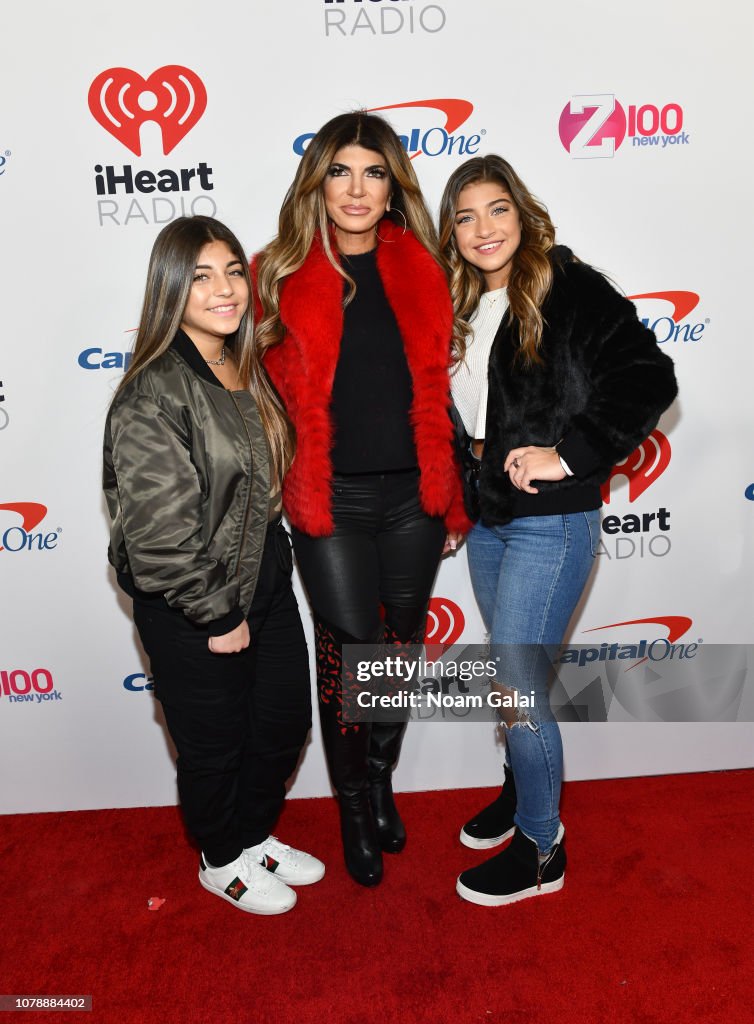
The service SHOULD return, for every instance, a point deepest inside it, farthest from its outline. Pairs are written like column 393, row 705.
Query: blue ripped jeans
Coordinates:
column 528, row 577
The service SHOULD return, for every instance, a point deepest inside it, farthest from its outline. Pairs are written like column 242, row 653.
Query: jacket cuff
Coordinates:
column 456, row 519
column 574, row 449
column 228, row 622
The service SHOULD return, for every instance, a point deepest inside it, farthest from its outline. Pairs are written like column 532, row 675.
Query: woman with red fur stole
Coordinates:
column 355, row 320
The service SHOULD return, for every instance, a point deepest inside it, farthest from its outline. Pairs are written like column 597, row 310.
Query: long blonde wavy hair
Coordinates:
column 303, row 215
column 171, row 271
column 531, row 272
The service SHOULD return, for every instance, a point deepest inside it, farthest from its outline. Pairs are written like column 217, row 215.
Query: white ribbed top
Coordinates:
column 468, row 381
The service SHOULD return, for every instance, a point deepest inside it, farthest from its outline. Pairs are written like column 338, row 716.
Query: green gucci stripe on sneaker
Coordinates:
column 236, row 889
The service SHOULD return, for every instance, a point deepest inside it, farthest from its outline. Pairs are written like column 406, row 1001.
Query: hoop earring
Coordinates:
column 403, row 215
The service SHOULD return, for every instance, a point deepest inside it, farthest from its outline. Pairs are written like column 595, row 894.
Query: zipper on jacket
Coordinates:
column 248, row 498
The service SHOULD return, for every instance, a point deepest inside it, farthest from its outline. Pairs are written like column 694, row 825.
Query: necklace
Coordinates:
column 494, row 295
column 217, row 362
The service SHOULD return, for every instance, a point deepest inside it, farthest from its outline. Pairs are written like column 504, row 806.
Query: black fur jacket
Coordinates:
column 598, row 394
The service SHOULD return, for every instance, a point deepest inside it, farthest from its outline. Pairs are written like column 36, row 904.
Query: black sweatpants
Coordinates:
column 238, row 721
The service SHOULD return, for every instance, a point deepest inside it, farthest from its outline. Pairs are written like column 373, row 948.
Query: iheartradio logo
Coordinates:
column 121, row 101
column 642, row 467
column 445, row 623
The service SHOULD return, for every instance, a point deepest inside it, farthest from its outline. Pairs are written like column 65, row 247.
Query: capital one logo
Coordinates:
column 659, row 649
column 676, row 625
column 437, row 140
column 654, row 650
column 668, row 326
column 445, row 623
column 595, row 126
column 121, row 101
column 20, row 536
column 138, row 682
column 642, row 467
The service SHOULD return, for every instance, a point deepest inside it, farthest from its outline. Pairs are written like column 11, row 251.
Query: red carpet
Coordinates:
column 653, row 925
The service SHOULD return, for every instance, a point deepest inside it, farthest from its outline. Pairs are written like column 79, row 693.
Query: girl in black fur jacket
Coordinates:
column 556, row 381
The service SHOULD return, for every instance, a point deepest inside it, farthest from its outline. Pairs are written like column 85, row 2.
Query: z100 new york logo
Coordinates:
column 593, row 127
column 23, row 687
column 174, row 99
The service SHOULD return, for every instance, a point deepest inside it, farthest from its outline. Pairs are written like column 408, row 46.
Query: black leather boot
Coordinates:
column 494, row 824
column 384, row 747
column 346, row 749
column 386, row 739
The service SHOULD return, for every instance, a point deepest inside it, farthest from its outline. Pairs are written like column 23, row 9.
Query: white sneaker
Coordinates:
column 247, row 885
column 289, row 865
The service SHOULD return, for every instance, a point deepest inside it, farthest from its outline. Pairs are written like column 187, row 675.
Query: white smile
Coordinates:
column 488, row 248
column 222, row 309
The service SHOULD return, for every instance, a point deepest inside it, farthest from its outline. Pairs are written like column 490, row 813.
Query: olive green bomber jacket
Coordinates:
column 187, row 483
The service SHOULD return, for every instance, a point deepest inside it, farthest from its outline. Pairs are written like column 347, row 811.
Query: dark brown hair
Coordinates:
column 171, row 271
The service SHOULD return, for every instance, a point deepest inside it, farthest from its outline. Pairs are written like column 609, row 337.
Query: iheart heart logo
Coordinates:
column 642, row 467
column 173, row 97
column 445, row 623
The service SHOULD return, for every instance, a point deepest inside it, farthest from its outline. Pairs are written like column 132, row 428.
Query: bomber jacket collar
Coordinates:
column 187, row 350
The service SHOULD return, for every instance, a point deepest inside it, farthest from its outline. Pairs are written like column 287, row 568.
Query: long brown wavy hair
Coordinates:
column 303, row 215
column 531, row 271
column 171, row 271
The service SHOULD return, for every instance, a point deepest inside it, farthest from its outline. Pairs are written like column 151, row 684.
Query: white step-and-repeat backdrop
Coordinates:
column 622, row 119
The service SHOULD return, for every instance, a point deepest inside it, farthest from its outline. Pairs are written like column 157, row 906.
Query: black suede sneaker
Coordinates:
column 514, row 874
column 494, row 824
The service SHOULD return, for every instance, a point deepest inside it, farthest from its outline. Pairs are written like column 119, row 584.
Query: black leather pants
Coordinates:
column 384, row 552
column 369, row 582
